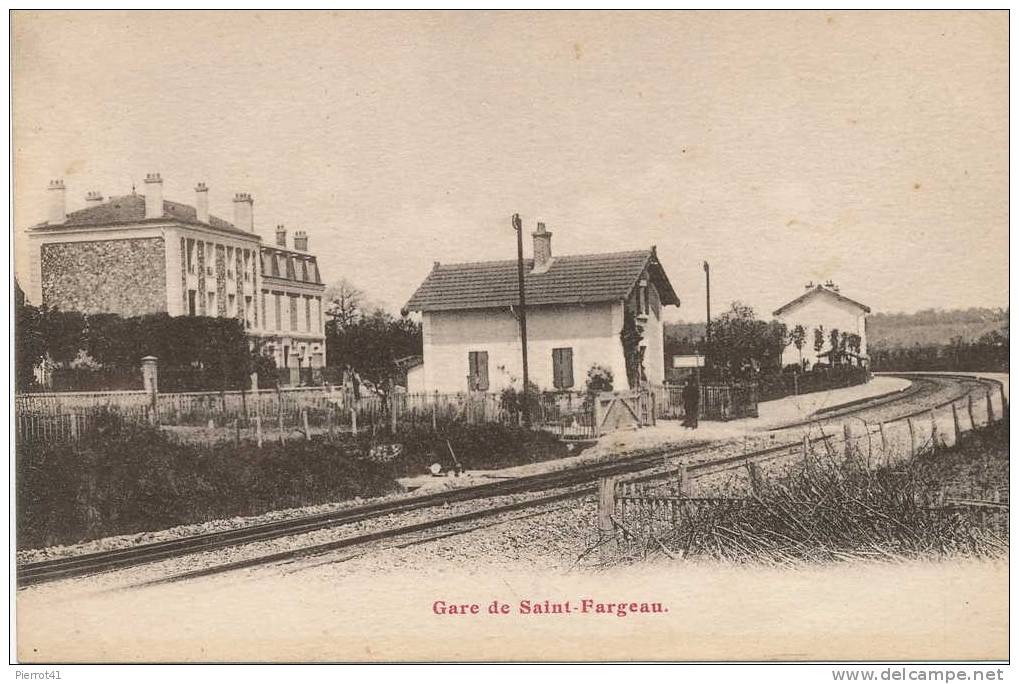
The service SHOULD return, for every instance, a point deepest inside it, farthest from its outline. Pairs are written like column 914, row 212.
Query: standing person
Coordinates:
column 691, row 403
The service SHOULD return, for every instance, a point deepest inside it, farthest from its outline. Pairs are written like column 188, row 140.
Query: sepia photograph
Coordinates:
column 511, row 337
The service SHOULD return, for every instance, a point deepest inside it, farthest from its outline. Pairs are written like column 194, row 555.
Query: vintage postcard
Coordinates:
column 512, row 336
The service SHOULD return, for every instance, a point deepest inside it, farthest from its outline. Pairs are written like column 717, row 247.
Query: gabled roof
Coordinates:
column 131, row 209
column 820, row 289
column 575, row 279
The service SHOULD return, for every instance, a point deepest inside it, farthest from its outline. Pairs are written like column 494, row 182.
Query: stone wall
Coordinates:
column 126, row 277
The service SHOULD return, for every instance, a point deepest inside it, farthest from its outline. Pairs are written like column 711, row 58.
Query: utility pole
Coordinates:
column 522, row 316
column 707, row 328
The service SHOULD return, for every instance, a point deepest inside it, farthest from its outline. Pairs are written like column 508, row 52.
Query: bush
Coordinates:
column 839, row 508
column 477, row 447
column 126, row 478
column 599, row 379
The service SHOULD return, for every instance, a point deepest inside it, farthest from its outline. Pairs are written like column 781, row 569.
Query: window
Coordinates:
column 307, row 314
column 304, row 270
column 191, row 302
column 210, row 307
column 477, row 362
column 277, row 300
column 562, row 368
column 643, row 304
column 249, row 313
column 231, row 306
column 318, row 314
column 293, row 312
column 191, row 256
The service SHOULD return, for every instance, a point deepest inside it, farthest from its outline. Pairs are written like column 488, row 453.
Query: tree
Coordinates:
column 370, row 345
column 818, row 339
column 798, row 337
column 345, row 303
column 742, row 345
column 833, row 341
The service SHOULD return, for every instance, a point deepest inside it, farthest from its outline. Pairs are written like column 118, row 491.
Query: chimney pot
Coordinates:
column 244, row 212
column 153, row 196
column 202, row 202
column 58, row 202
column 542, row 249
column 93, row 197
column 301, row 241
column 281, row 236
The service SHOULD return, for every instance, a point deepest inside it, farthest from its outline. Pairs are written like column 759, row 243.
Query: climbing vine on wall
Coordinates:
column 631, row 336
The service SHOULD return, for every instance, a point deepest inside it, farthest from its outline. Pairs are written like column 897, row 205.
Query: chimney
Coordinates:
column 153, row 196
column 244, row 212
column 202, row 203
column 301, row 241
column 93, row 197
column 542, row 249
column 58, row 202
column 281, row 236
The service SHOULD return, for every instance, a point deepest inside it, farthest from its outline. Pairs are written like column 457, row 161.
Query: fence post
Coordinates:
column 74, row 427
column 806, row 450
column 279, row 415
column 755, row 477
column 934, row 430
column 847, row 437
column 969, row 408
column 685, row 484
column 955, row 424
column 304, row 419
column 353, row 421
column 329, row 418
column 258, row 429
column 990, row 408
column 1004, row 401
column 606, row 508
column 392, row 412
column 912, row 441
column 150, row 381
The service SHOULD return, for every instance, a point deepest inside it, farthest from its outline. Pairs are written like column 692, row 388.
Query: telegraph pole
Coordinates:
column 707, row 328
column 522, row 316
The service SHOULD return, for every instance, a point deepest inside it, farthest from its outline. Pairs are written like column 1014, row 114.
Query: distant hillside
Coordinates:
column 933, row 326
column 889, row 330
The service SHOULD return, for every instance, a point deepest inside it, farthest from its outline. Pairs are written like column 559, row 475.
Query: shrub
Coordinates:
column 126, row 478
column 599, row 379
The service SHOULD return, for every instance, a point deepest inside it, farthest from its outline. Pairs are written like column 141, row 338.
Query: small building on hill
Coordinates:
column 821, row 310
column 577, row 307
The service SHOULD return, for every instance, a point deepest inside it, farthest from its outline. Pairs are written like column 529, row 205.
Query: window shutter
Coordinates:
column 483, row 371
column 472, row 369
column 562, row 367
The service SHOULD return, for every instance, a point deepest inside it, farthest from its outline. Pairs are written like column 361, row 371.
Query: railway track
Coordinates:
column 562, row 485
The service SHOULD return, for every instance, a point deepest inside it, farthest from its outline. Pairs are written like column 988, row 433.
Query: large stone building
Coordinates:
column 576, row 309
column 138, row 254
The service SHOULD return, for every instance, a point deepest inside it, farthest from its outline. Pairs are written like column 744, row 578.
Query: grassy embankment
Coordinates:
column 126, row 478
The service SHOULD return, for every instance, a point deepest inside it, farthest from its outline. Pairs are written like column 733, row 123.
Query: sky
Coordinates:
column 781, row 147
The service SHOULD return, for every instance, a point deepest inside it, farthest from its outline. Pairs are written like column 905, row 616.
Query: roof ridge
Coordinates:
column 556, row 257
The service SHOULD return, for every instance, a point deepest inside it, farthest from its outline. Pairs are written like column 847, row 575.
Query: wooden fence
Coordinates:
column 634, row 512
column 568, row 415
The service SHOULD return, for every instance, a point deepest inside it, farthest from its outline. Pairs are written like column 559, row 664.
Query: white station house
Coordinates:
column 576, row 307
